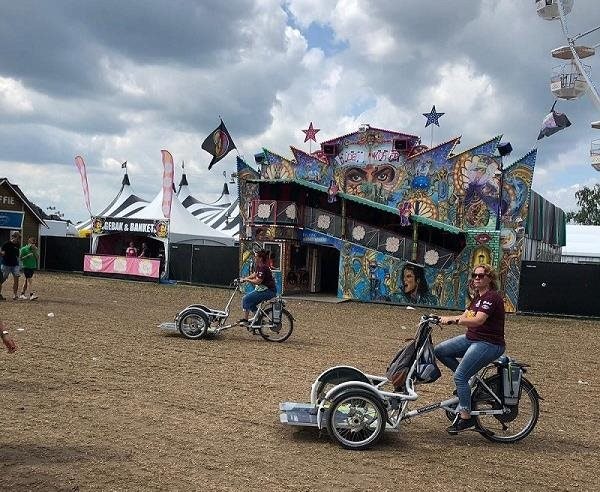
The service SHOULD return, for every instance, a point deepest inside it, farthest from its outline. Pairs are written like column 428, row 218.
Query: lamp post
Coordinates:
column 503, row 150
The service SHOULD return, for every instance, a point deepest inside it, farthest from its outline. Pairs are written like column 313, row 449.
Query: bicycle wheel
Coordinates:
column 276, row 332
column 193, row 323
column 356, row 419
column 508, row 427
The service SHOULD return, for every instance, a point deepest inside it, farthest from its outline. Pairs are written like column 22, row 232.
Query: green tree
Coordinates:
column 588, row 201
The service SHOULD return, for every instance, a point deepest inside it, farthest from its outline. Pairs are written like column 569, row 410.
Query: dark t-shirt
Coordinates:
column 264, row 273
column 492, row 304
column 11, row 254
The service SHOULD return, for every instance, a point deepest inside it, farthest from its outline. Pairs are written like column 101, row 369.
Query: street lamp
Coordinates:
column 503, row 150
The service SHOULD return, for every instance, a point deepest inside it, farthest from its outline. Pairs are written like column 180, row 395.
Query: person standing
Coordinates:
column 131, row 251
column 6, row 340
column 30, row 257
column 483, row 342
column 10, row 262
column 145, row 251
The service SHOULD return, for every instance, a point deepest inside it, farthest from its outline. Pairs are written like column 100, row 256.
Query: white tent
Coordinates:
column 124, row 204
column 582, row 244
column 183, row 226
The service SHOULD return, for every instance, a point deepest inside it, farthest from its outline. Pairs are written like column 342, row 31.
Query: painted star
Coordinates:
column 311, row 133
column 433, row 117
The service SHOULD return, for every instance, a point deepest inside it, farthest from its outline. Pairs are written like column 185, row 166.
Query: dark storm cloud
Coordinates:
column 57, row 47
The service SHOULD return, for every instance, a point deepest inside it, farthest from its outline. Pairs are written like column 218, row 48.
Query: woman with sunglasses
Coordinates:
column 482, row 343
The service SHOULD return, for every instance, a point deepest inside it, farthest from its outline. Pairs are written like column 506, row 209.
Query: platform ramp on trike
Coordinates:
column 298, row 414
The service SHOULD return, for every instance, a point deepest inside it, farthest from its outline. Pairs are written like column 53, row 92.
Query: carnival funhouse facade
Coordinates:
column 376, row 216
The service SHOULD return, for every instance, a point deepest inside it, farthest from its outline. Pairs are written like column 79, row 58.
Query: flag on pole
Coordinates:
column 124, row 165
column 84, row 182
column 218, row 144
column 168, row 171
column 553, row 122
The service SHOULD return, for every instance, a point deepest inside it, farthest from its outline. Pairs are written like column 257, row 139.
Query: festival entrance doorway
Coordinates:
column 323, row 269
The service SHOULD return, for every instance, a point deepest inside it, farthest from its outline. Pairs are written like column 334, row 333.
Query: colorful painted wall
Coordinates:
column 460, row 189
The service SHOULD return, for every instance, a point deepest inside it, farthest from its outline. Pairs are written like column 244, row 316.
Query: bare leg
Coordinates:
column 15, row 284
column 24, row 289
column 30, row 285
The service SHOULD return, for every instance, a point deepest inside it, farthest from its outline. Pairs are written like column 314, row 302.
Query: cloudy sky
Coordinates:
column 116, row 80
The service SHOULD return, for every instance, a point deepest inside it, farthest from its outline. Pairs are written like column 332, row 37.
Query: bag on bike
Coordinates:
column 277, row 309
column 427, row 370
column 400, row 365
column 511, row 383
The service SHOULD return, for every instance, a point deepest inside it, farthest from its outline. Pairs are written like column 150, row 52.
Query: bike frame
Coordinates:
column 397, row 403
column 221, row 316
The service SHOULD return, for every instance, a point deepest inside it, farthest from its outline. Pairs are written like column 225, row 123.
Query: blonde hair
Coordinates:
column 491, row 273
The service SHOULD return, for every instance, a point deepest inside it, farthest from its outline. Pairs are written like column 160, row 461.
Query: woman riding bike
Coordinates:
column 264, row 285
column 482, row 344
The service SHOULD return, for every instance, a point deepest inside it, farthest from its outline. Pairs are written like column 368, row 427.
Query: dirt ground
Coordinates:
column 97, row 397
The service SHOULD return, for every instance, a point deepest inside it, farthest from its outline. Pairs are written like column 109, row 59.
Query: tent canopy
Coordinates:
column 183, row 226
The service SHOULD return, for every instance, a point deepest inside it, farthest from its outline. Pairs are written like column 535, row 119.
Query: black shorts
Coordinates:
column 28, row 272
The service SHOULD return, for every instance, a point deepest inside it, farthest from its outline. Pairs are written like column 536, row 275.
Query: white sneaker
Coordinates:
column 33, row 296
column 23, row 296
column 15, row 297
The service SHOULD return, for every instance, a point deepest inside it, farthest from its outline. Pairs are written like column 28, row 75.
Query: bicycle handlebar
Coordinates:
column 431, row 318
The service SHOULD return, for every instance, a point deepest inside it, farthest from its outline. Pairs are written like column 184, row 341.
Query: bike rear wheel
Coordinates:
column 508, row 427
column 276, row 332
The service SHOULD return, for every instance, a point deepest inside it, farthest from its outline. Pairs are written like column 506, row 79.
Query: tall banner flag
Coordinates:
column 218, row 144
column 84, row 182
column 168, row 171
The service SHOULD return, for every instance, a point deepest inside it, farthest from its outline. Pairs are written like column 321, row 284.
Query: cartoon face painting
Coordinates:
column 97, row 226
column 161, row 229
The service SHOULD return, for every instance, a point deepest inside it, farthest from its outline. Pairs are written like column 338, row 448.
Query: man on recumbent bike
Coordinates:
column 264, row 285
column 482, row 344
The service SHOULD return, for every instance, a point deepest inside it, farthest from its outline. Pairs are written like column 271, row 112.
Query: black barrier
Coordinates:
column 64, row 254
column 200, row 264
column 559, row 288
column 180, row 262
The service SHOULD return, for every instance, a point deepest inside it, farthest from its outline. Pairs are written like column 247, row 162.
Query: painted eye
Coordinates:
column 354, row 177
column 385, row 175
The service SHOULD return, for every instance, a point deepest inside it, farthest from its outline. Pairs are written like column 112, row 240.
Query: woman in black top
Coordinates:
column 264, row 283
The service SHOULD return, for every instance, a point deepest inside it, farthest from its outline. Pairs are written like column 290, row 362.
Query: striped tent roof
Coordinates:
column 222, row 215
column 126, row 203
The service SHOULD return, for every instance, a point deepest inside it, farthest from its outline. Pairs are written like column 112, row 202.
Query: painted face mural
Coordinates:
column 363, row 181
column 414, row 286
column 410, row 282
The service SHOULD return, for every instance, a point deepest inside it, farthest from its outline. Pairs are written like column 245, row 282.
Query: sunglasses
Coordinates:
column 478, row 275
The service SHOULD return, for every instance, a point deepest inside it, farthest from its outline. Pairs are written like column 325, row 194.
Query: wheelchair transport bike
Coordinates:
column 355, row 408
column 272, row 321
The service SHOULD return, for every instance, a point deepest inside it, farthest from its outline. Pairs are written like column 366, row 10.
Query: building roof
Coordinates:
column 370, row 128
column 35, row 210
column 435, row 223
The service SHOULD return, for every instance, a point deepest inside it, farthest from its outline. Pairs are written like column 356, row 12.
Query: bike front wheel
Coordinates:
column 276, row 332
column 193, row 323
column 507, row 427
